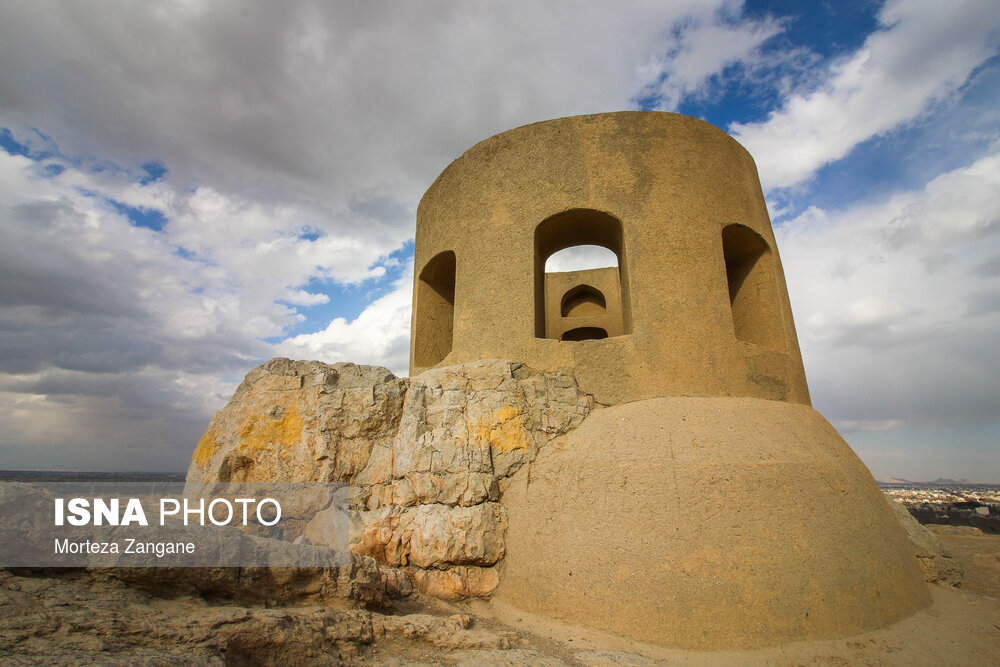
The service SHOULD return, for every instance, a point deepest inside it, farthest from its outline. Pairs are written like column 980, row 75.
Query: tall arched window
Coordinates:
column 434, row 315
column 753, row 292
column 581, row 281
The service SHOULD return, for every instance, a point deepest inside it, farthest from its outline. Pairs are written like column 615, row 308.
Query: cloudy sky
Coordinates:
column 190, row 188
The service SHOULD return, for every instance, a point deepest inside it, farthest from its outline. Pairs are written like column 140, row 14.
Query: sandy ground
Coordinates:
column 962, row 627
column 977, row 553
column 81, row 622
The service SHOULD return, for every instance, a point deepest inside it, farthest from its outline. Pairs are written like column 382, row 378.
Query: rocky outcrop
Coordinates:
column 427, row 457
column 300, row 421
column 429, row 500
column 935, row 560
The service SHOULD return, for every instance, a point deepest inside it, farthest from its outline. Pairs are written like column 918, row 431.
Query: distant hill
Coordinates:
column 940, row 481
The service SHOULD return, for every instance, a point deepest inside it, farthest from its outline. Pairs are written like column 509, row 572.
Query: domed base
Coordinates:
column 707, row 523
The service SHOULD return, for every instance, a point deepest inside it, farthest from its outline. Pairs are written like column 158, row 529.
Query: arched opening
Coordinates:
column 583, row 301
column 584, row 333
column 753, row 294
column 434, row 313
column 581, row 277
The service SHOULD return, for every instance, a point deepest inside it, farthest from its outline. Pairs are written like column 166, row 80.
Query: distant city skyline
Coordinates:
column 188, row 190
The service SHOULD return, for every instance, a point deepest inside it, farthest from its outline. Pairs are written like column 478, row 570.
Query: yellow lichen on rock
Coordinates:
column 269, row 433
column 300, row 421
column 505, row 432
column 207, row 446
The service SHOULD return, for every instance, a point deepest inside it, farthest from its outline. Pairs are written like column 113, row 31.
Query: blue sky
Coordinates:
column 187, row 190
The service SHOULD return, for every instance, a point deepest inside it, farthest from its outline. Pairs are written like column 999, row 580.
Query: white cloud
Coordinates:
column 110, row 337
column 870, row 425
column 924, row 51
column 581, row 257
column 708, row 42
column 380, row 335
column 303, row 298
column 298, row 138
column 892, row 307
column 316, row 103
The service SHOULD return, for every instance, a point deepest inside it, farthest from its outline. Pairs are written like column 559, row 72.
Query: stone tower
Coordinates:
column 697, row 306
column 707, row 504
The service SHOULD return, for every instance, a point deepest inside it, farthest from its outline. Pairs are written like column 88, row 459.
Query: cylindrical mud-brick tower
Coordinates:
column 698, row 305
column 705, row 504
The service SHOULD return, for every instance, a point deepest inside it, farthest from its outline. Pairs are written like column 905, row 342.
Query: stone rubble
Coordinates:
column 121, row 617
